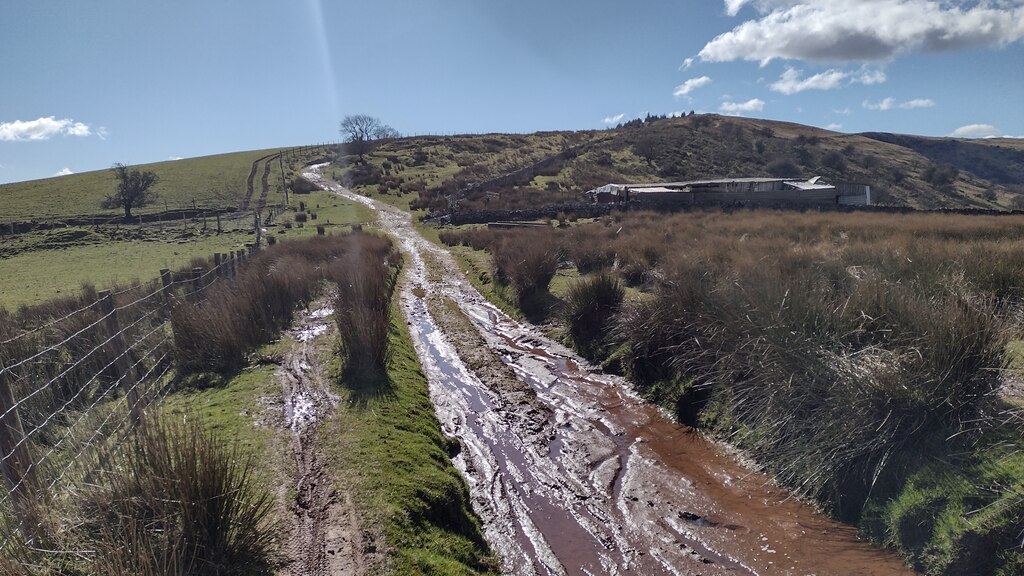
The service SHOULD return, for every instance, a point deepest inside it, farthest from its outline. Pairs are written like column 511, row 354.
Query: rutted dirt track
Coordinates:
column 572, row 473
column 324, row 537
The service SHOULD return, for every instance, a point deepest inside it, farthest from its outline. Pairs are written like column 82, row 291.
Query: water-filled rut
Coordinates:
column 590, row 479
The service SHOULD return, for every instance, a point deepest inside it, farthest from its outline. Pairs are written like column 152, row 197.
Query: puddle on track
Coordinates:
column 617, row 487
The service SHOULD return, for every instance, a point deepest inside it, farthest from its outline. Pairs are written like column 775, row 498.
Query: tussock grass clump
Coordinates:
column 527, row 262
column 366, row 275
column 177, row 500
column 590, row 306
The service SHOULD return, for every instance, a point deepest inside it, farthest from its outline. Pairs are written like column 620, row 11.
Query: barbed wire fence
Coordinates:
column 61, row 381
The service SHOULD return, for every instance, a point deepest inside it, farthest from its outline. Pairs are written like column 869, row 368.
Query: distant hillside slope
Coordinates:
column 999, row 160
column 470, row 169
column 211, row 181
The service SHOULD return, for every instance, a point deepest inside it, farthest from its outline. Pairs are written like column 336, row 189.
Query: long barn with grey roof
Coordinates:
column 731, row 191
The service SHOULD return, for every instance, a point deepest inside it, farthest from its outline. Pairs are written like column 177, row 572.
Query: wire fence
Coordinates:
column 81, row 380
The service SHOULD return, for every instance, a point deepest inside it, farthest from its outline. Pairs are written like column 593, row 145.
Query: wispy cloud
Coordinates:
column 834, row 127
column 863, row 30
column 42, row 129
column 613, row 119
column 976, row 131
column 736, row 108
column 65, row 171
column 686, row 64
column 869, row 77
column 891, row 104
column 843, row 111
column 690, row 85
column 792, row 83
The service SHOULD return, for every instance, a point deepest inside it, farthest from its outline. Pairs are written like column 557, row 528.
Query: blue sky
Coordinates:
column 87, row 84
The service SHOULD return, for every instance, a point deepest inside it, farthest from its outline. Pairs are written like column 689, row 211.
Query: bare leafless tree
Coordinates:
column 361, row 130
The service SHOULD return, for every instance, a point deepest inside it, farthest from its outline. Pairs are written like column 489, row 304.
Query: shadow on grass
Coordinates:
column 367, row 385
column 539, row 307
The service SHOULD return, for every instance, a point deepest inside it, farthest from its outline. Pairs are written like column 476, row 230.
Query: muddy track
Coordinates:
column 265, row 184
column 324, row 537
column 250, row 181
column 571, row 472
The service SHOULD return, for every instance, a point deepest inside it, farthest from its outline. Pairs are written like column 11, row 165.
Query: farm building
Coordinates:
column 736, row 191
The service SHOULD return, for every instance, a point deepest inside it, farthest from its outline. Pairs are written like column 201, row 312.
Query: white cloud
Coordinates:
column 864, row 30
column 732, row 7
column 792, row 83
column 78, row 129
column 890, row 104
column 871, row 77
column 175, row 158
column 843, row 111
column 102, row 132
column 690, row 85
column 918, row 103
column 887, row 104
column 753, row 105
column 834, row 127
column 613, row 119
column 976, row 131
column 65, row 171
column 686, row 64
column 41, row 129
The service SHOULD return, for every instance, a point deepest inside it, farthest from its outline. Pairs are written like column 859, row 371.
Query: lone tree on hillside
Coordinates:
column 134, row 189
column 361, row 130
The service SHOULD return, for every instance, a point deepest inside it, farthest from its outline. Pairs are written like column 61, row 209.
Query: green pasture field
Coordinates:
column 44, row 264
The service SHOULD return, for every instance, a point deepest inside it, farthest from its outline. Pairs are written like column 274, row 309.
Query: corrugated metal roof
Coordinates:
column 653, row 189
column 808, row 185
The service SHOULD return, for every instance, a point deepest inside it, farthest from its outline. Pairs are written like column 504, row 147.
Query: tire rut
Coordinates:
column 324, row 536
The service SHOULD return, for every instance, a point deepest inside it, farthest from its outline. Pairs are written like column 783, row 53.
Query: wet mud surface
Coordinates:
column 323, row 536
column 572, row 473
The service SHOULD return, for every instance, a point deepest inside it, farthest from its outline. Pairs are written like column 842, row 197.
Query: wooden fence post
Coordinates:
column 121, row 363
column 17, row 467
column 216, row 264
column 218, row 223
column 241, row 259
column 197, row 284
column 232, row 265
column 165, row 278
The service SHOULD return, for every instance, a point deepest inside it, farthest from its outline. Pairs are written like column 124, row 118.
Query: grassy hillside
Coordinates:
column 672, row 149
column 211, row 181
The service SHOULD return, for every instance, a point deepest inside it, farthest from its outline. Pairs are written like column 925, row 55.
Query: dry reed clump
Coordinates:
column 366, row 275
column 177, row 500
column 239, row 314
column 589, row 307
column 526, row 261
